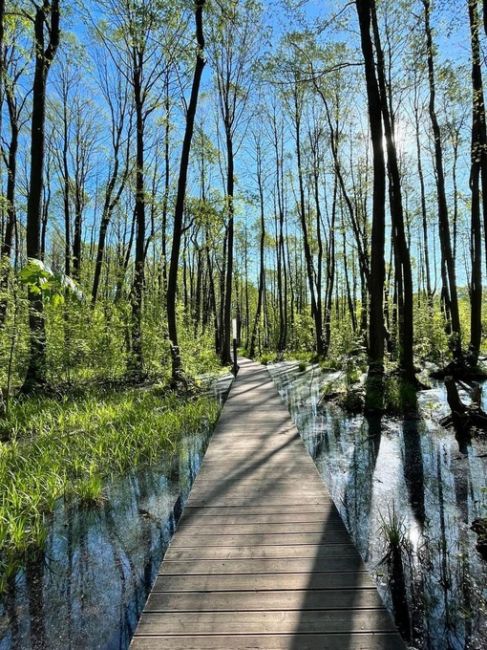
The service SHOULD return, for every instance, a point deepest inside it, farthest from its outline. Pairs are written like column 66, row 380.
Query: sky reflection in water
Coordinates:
column 413, row 468
column 87, row 591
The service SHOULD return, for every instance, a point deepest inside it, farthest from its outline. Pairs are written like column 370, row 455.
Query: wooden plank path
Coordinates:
column 261, row 558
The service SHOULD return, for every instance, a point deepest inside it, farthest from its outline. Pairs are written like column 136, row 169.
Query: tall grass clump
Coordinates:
column 69, row 448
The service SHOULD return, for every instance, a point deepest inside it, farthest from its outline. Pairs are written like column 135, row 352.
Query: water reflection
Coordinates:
column 435, row 485
column 87, row 589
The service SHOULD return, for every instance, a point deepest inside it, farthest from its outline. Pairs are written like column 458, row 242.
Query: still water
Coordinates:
column 415, row 473
column 88, row 588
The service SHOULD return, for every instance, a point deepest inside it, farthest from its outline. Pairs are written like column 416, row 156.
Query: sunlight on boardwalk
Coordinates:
column 261, row 558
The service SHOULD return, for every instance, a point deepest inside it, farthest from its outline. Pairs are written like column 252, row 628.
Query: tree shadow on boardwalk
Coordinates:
column 357, row 617
column 289, row 587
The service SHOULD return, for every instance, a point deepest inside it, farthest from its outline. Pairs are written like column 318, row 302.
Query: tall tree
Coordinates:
column 450, row 294
column 377, row 268
column 11, row 71
column 402, row 257
column 46, row 22
column 181, row 193
column 134, row 43
column 114, row 88
column 478, row 167
column 261, row 287
column 233, row 54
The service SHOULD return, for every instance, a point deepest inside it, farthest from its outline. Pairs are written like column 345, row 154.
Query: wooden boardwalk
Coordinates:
column 261, row 558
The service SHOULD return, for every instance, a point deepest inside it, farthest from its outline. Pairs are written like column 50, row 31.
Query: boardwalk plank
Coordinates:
column 320, row 519
column 261, row 558
column 261, row 535
column 283, row 621
column 378, row 641
column 238, row 601
column 309, row 565
column 263, row 582
column 252, row 509
column 263, row 552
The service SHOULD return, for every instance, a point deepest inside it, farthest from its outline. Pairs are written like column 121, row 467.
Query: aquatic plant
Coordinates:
column 69, row 448
column 393, row 532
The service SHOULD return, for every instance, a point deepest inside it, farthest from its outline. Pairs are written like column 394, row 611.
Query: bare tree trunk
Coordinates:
column 377, row 269
column 424, row 214
column 47, row 16
column 136, row 360
column 315, row 312
column 11, row 165
column 225, row 353
column 448, row 263
column 261, row 290
column 402, row 257
column 181, row 192
column 477, row 153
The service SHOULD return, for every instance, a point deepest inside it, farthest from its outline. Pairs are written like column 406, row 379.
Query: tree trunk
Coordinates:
column 36, row 371
column 225, row 353
column 315, row 312
column 261, row 290
column 377, row 269
column 136, row 361
column 181, row 192
column 402, row 256
column 478, row 126
column 424, row 214
column 448, row 263
column 8, row 240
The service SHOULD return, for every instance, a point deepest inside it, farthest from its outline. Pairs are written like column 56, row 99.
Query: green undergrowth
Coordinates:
column 70, row 448
column 352, row 391
column 301, row 357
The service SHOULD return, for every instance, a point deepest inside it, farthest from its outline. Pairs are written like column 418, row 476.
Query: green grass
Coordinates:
column 71, row 447
column 267, row 357
column 400, row 395
column 393, row 533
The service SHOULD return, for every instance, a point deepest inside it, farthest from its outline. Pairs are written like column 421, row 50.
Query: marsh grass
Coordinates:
column 393, row 532
column 70, row 448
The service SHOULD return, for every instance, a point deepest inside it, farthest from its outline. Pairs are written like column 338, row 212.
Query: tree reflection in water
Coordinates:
column 434, row 481
column 89, row 587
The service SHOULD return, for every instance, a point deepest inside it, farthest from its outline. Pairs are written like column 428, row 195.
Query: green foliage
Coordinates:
column 69, row 448
column 393, row 531
column 87, row 343
column 399, row 395
column 302, row 336
column 354, row 368
column 39, row 279
column 431, row 341
column 267, row 357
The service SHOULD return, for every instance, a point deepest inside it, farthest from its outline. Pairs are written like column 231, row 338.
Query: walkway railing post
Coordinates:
column 234, row 335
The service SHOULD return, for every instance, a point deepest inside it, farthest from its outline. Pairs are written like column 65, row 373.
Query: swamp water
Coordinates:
column 88, row 589
column 409, row 478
